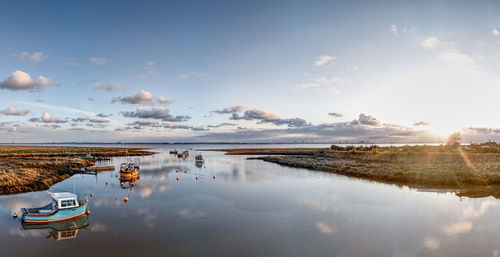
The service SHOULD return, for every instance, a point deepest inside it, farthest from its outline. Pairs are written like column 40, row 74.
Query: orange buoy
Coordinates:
column 176, row 170
column 177, row 177
column 88, row 212
column 125, row 199
column 196, row 177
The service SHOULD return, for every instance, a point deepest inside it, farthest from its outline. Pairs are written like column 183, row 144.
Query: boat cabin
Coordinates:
column 64, row 200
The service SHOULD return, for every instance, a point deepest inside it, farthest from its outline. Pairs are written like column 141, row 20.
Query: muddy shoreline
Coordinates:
column 34, row 168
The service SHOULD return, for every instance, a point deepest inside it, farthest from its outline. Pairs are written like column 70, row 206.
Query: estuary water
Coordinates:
column 240, row 207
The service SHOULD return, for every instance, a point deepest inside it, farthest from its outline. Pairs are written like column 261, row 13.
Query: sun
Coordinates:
column 443, row 130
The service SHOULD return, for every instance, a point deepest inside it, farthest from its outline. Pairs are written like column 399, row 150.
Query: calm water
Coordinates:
column 251, row 208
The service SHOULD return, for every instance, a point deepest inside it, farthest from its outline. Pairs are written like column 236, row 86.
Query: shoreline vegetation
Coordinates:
column 468, row 170
column 34, row 168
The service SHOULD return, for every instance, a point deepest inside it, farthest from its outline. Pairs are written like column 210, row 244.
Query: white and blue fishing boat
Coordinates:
column 64, row 206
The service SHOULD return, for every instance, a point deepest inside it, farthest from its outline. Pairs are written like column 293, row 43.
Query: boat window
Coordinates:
column 68, row 203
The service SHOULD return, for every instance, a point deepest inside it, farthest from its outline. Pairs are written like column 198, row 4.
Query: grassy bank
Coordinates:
column 470, row 170
column 33, row 168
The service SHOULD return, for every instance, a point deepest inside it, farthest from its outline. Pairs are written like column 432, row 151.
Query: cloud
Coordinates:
column 394, row 29
column 224, row 124
column 324, row 59
column 14, row 112
column 191, row 74
column 20, row 80
column 102, row 115
column 154, row 113
column 453, row 56
column 430, row 42
column 108, row 87
column 155, row 124
column 90, row 120
column 97, row 60
column 335, row 114
column 421, row 123
column 324, row 228
column 70, row 62
column 324, row 80
column 142, row 77
column 143, row 97
column 230, row 110
column 47, row 118
column 308, row 85
column 35, row 57
column 431, row 243
column 495, row 32
column 267, row 117
column 458, row 228
column 163, row 100
column 367, row 120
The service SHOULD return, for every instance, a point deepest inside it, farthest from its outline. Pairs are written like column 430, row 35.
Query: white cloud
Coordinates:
column 324, row 80
column 324, row 228
column 495, row 32
column 394, row 29
column 191, row 74
column 97, row 60
column 430, row 42
column 14, row 112
column 309, row 85
column 458, row 228
column 163, row 100
column 324, row 59
column 143, row 97
column 35, row 57
column 20, row 80
column 108, row 87
column 47, row 118
column 431, row 243
column 453, row 56
column 70, row 62
column 142, row 77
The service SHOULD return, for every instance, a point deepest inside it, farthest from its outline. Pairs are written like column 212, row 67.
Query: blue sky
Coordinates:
column 385, row 71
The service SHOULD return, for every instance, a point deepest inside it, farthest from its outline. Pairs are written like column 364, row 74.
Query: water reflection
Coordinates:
column 254, row 208
column 57, row 230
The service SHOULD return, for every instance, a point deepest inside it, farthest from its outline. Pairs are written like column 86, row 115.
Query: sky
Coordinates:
column 249, row 71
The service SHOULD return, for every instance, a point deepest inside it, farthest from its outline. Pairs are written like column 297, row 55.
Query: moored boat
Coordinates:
column 64, row 206
column 199, row 158
column 129, row 171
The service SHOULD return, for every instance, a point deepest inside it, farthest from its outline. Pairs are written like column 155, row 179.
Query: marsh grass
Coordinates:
column 472, row 169
column 33, row 168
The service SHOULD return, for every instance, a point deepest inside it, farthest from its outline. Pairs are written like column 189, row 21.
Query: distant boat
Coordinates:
column 184, row 154
column 199, row 158
column 129, row 171
column 173, row 152
column 64, row 206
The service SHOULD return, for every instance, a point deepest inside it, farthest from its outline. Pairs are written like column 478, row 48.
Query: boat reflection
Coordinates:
column 128, row 183
column 60, row 230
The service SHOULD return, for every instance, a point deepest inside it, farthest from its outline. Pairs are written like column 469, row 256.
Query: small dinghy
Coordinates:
column 64, row 206
column 199, row 158
column 129, row 171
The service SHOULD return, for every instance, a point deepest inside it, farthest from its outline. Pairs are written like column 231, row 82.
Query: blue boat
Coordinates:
column 64, row 206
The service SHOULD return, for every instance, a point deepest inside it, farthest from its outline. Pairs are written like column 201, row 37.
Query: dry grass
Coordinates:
column 471, row 172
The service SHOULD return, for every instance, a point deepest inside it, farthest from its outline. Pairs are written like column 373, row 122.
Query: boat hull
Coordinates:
column 129, row 175
column 59, row 215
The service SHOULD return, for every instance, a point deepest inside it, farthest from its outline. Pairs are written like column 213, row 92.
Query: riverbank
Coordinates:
column 473, row 172
column 34, row 168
